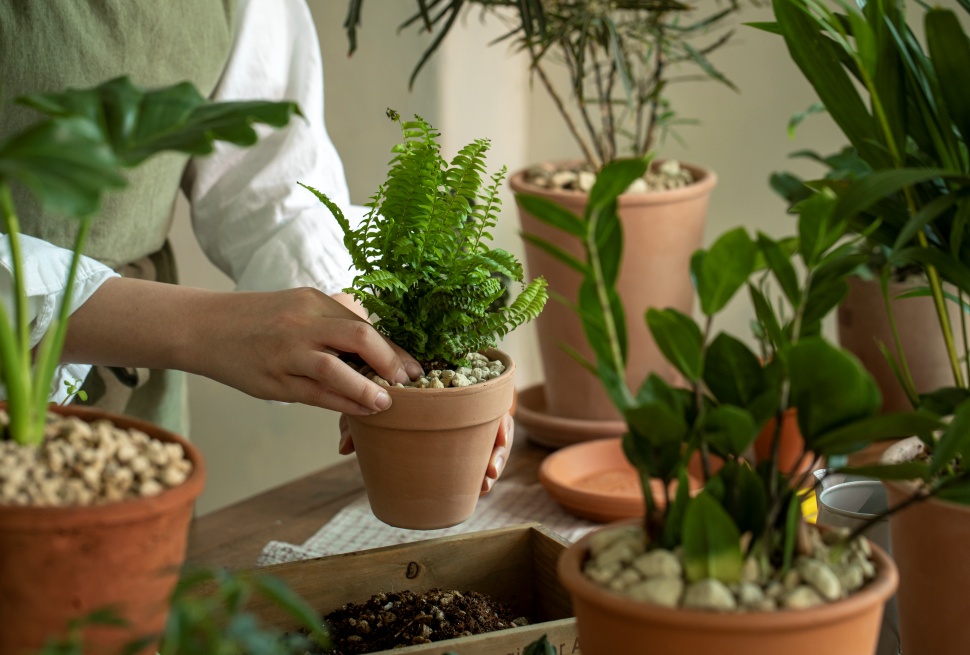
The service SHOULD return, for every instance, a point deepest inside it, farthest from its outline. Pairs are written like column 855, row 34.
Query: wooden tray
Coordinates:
column 515, row 565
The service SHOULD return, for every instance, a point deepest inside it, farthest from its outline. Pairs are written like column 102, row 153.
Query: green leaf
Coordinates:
column 793, row 518
column 64, row 163
column 829, row 387
column 612, row 180
column 957, row 491
column 955, row 441
column 950, row 53
column 866, row 192
column 943, row 402
column 139, row 123
column 558, row 253
column 818, row 230
column 659, row 423
column 781, row 266
column 553, row 214
column 679, row 339
column 767, row 319
column 720, row 271
column 900, row 471
column 950, row 268
column 286, row 599
column 729, row 430
column 712, row 542
column 732, row 372
column 854, row 436
column 541, row 646
column 674, row 516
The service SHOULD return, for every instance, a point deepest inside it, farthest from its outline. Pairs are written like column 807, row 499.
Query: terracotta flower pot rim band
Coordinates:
column 705, row 180
column 881, row 587
column 30, row 518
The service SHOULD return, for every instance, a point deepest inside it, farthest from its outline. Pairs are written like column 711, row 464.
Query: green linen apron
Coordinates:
column 50, row 45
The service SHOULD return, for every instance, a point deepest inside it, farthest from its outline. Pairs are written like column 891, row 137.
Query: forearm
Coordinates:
column 135, row 323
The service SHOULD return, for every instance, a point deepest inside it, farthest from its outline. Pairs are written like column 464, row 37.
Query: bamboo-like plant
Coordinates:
column 729, row 395
column 621, row 57
column 68, row 160
column 905, row 112
column 426, row 270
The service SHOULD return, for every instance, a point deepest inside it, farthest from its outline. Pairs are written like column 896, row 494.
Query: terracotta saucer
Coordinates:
column 551, row 431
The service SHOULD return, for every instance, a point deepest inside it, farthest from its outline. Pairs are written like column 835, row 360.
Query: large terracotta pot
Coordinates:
column 791, row 445
column 661, row 231
column 609, row 624
column 864, row 324
column 930, row 541
column 424, row 459
column 62, row 563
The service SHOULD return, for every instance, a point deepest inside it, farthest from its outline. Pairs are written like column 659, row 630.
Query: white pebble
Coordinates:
column 709, row 594
column 662, row 591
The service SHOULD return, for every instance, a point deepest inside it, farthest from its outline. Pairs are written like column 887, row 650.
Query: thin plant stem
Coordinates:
column 656, row 86
column 963, row 332
column 577, row 80
column 12, row 228
column 908, row 385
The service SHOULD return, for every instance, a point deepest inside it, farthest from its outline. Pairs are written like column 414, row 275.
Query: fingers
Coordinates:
column 336, row 377
column 346, row 440
column 500, row 453
column 389, row 361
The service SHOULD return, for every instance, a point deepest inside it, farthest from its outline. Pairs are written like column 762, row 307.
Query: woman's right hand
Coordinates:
column 282, row 345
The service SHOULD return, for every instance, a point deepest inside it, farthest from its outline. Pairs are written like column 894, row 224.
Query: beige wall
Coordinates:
column 473, row 91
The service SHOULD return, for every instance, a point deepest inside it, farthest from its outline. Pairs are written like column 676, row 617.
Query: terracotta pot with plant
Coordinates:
column 431, row 281
column 898, row 99
column 734, row 569
column 621, row 60
column 94, row 508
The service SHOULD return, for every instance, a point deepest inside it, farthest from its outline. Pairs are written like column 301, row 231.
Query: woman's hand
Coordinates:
column 282, row 345
column 496, row 463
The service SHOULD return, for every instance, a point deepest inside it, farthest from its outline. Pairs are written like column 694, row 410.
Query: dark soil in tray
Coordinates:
column 390, row 620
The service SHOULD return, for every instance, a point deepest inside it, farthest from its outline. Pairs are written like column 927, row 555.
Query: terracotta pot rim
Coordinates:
column 876, row 591
column 42, row 519
column 705, row 181
column 492, row 353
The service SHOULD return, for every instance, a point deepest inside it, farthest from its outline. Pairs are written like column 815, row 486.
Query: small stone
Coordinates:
column 379, row 380
column 709, row 594
column 638, row 185
column 586, row 181
column 125, row 453
column 751, row 571
column 172, row 477
column 422, row 383
column 140, row 464
column 460, row 381
column 150, row 488
column 622, row 551
column 850, row 576
column 791, row 580
column 627, row 577
column 436, row 383
column 601, row 574
column 447, row 376
column 603, row 539
column 801, row 597
column 664, row 591
column 774, row 590
column 820, row 577
column 751, row 595
column 434, row 374
column 658, row 563
column 564, row 180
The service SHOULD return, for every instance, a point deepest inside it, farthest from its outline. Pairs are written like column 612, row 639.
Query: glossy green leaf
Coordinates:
column 64, row 163
column 852, row 437
column 729, row 430
column 295, row 607
column 822, row 299
column 956, row 491
column 767, row 319
column 139, row 123
column 829, row 387
column 944, row 401
column 950, row 268
column 900, row 471
column 950, row 53
column 793, row 518
column 866, row 192
column 955, row 441
column 674, row 516
column 732, row 372
column 818, row 229
column 679, row 339
column 556, row 252
column 723, row 269
column 658, row 422
column 711, row 541
column 780, row 264
column 612, row 180
column 553, row 214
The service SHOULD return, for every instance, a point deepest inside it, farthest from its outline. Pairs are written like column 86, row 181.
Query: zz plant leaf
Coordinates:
column 426, row 270
column 712, row 543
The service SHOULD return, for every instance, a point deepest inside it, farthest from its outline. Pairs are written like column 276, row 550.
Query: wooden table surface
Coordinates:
column 234, row 536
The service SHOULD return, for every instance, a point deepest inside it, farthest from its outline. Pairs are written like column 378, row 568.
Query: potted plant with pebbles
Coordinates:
column 426, row 274
column 734, row 569
column 621, row 59
column 94, row 508
column 901, row 105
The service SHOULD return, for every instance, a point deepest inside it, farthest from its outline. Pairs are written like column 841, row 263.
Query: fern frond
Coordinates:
column 485, row 213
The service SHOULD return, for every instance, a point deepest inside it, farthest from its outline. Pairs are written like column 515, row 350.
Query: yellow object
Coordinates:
column 809, row 505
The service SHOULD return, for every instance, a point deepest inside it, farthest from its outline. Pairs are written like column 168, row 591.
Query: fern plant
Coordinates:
column 426, row 270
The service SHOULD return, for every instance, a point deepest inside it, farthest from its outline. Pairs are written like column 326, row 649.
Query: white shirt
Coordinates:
column 251, row 218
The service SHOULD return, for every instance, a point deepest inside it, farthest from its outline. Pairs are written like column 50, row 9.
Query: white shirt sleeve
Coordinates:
column 251, row 218
column 45, row 270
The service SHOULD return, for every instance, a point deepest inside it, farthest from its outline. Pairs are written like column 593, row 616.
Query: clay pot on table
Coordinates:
column 58, row 564
column 609, row 623
column 661, row 230
column 424, row 459
column 791, row 445
column 930, row 541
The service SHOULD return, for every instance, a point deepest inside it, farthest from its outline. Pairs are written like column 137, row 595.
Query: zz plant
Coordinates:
column 729, row 396
column 426, row 270
column 68, row 160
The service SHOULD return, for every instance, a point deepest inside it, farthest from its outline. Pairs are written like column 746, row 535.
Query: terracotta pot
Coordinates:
column 863, row 324
column 929, row 542
column 661, row 231
column 424, row 459
column 62, row 563
column 790, row 446
column 609, row 623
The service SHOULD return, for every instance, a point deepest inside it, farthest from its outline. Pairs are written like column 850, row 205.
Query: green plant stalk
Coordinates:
column 49, row 351
column 908, row 385
column 14, row 357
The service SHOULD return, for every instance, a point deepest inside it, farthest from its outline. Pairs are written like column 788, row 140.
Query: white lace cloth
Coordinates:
column 356, row 528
